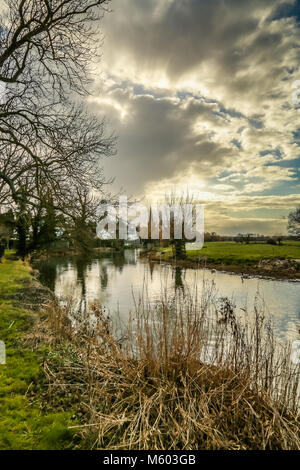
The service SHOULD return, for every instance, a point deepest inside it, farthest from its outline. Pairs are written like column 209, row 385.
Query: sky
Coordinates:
column 200, row 94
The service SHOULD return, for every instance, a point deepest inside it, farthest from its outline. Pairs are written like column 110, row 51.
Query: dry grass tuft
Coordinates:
column 190, row 376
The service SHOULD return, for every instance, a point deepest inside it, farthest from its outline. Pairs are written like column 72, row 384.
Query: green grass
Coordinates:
column 236, row 253
column 24, row 423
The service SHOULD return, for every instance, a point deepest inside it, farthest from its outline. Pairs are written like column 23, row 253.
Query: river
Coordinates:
column 118, row 282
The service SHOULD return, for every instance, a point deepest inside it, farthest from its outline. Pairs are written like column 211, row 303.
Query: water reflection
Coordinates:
column 119, row 281
column 178, row 278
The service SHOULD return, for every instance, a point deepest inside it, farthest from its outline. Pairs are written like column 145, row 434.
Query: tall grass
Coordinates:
column 188, row 374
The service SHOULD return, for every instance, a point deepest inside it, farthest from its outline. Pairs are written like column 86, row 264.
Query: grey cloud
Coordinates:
column 189, row 32
column 156, row 139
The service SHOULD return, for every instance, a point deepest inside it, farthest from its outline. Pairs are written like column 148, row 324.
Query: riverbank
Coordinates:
column 27, row 422
column 82, row 387
column 255, row 260
column 67, row 252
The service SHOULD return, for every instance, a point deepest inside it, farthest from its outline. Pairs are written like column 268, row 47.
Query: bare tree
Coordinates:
column 179, row 200
column 81, row 209
column 47, row 140
column 294, row 222
column 54, row 38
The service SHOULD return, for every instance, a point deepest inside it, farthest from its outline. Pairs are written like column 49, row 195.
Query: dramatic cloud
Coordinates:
column 200, row 95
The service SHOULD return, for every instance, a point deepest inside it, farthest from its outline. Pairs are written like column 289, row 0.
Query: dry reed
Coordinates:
column 188, row 375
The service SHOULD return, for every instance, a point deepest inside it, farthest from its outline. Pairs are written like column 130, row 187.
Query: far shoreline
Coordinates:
column 244, row 270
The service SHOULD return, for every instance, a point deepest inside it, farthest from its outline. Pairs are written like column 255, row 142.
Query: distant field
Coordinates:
column 227, row 252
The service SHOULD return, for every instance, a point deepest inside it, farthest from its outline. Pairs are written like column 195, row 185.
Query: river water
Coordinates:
column 118, row 282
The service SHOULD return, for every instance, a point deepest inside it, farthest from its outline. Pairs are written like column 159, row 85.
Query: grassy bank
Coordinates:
column 237, row 253
column 231, row 252
column 255, row 259
column 26, row 422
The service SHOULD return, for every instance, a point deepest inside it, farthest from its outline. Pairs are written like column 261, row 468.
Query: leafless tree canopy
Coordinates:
column 49, row 37
column 294, row 222
column 46, row 139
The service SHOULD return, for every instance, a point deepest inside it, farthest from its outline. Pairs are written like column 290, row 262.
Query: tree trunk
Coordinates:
column 22, row 235
column 179, row 249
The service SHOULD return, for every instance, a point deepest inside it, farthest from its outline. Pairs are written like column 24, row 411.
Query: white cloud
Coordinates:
column 202, row 92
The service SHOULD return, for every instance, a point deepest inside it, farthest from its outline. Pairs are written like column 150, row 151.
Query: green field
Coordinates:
column 23, row 424
column 236, row 253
